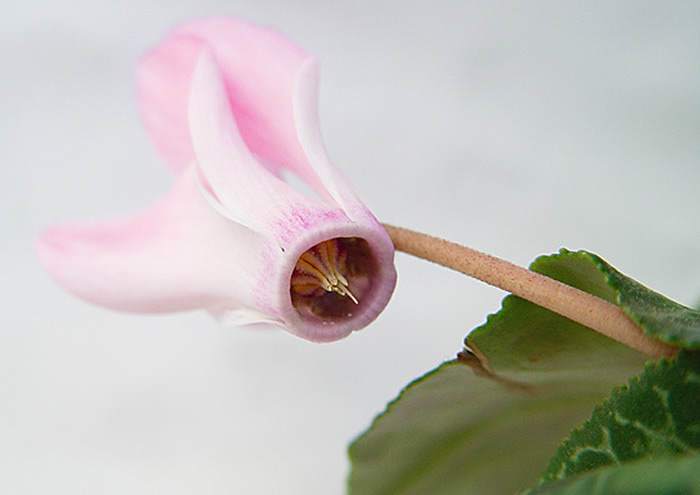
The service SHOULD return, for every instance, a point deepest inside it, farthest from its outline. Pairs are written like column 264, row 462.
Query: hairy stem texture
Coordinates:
column 581, row 307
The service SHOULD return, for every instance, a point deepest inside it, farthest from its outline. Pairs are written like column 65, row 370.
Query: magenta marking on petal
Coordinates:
column 301, row 219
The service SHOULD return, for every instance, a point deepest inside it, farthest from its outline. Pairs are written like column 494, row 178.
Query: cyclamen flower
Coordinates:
column 230, row 105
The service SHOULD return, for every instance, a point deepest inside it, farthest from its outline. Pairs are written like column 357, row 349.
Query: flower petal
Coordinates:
column 163, row 83
column 249, row 193
column 272, row 90
column 259, row 69
column 308, row 127
column 177, row 255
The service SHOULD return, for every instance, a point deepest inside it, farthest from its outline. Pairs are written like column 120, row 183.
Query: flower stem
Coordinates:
column 581, row 307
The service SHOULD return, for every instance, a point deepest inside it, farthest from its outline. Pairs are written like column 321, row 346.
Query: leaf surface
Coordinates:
column 673, row 476
column 488, row 422
column 656, row 415
column 489, row 425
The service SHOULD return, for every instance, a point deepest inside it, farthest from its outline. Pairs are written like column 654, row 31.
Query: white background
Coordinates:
column 514, row 127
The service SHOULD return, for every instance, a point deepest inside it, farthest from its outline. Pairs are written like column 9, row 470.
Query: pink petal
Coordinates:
column 317, row 165
column 272, row 89
column 248, row 192
column 259, row 68
column 163, row 82
column 178, row 255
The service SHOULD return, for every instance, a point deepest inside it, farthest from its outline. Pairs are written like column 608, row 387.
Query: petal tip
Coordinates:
column 52, row 244
column 54, row 248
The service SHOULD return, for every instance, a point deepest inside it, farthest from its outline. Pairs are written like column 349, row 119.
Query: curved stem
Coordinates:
column 579, row 306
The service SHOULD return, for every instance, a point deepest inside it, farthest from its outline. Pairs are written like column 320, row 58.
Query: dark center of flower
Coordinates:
column 330, row 279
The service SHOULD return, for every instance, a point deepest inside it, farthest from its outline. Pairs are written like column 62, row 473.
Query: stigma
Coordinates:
column 323, row 268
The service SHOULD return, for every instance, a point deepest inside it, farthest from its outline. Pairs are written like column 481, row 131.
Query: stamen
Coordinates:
column 331, row 250
column 323, row 251
column 346, row 292
column 307, row 267
column 322, row 267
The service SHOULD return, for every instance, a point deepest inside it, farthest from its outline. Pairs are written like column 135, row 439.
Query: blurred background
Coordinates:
column 516, row 128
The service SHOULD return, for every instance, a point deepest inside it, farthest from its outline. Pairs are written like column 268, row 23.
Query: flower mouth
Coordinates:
column 331, row 280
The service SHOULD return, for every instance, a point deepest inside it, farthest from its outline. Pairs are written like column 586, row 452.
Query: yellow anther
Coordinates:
column 328, row 265
column 323, row 267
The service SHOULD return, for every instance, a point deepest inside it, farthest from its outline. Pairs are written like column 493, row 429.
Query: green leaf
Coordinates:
column 673, row 476
column 453, row 432
column 539, row 375
column 656, row 415
column 657, row 315
column 489, row 425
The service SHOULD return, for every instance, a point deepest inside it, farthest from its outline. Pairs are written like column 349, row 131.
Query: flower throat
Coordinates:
column 323, row 267
column 331, row 279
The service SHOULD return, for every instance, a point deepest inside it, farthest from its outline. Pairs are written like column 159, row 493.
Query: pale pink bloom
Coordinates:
column 231, row 105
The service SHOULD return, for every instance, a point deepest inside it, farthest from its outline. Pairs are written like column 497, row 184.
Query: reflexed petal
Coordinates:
column 259, row 68
column 177, row 255
column 308, row 126
column 248, row 192
column 163, row 82
column 272, row 90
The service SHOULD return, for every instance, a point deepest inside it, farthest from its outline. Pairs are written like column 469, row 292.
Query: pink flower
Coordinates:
column 230, row 105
